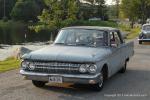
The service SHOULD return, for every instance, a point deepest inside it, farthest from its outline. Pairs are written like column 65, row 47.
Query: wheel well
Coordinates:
column 105, row 70
column 127, row 59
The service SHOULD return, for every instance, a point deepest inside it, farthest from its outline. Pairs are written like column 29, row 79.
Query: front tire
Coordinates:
column 140, row 42
column 124, row 68
column 38, row 83
column 99, row 86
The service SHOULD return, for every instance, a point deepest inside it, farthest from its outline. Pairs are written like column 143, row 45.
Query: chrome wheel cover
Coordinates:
column 101, row 80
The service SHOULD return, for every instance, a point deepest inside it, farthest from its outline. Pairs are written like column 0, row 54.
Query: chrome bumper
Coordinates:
column 144, row 40
column 83, row 79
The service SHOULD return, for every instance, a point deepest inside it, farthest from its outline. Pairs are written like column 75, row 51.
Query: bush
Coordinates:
column 133, row 33
column 13, row 32
column 95, row 23
column 25, row 10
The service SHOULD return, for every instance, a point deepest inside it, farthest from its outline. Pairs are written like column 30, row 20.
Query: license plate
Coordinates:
column 55, row 79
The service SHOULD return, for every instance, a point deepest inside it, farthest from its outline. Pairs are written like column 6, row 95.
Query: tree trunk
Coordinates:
column 132, row 24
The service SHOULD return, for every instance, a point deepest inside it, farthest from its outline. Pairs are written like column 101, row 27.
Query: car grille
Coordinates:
column 148, row 35
column 55, row 67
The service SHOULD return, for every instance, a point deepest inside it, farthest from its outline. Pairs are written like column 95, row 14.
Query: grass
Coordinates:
column 132, row 32
column 9, row 64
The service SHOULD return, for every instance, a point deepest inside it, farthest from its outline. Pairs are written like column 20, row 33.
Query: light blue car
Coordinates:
column 144, row 34
column 83, row 54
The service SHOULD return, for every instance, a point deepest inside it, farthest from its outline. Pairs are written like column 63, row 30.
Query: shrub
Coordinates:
column 13, row 32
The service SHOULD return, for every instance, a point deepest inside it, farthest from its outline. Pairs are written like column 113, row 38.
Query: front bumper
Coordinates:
column 144, row 40
column 83, row 79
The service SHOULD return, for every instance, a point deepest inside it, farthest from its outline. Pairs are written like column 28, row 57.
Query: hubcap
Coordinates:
column 101, row 80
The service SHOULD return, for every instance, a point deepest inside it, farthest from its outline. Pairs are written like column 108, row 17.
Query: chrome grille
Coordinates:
column 56, row 67
column 148, row 36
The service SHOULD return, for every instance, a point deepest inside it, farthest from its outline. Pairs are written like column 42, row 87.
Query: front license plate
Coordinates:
column 55, row 79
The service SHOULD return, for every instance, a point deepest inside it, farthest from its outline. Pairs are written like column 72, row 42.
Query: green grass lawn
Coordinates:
column 9, row 64
column 133, row 33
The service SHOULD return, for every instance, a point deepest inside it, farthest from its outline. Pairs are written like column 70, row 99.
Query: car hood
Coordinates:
column 68, row 54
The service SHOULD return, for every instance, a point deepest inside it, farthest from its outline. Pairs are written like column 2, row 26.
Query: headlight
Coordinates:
column 24, row 64
column 83, row 68
column 92, row 68
column 31, row 66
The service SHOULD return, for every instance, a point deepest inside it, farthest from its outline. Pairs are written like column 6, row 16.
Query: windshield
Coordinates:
column 146, row 28
column 81, row 37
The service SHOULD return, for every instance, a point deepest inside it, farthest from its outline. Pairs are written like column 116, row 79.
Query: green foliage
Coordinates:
column 9, row 64
column 9, row 31
column 125, row 28
column 93, row 8
column 95, row 23
column 57, row 12
column 9, row 4
column 133, row 33
column 13, row 32
column 26, row 10
column 136, row 9
column 111, row 10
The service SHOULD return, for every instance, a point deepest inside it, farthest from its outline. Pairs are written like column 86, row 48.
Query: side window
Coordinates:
column 114, row 39
column 117, row 38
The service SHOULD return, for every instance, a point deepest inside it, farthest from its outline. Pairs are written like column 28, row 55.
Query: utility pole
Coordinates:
column 117, row 8
column 4, row 9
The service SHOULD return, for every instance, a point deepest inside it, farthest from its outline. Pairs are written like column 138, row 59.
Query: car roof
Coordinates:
column 92, row 28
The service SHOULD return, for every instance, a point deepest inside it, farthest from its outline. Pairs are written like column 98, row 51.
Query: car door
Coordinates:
column 123, row 49
column 115, row 57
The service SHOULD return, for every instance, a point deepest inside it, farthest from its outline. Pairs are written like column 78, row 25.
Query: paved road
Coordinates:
column 133, row 85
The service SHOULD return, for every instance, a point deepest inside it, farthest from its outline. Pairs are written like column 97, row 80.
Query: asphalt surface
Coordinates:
column 133, row 85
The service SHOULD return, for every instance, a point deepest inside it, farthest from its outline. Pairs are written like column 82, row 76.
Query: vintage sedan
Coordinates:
column 83, row 54
column 144, row 34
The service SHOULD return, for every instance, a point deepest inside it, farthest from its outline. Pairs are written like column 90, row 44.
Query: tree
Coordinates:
column 129, row 10
column 142, row 9
column 57, row 14
column 111, row 11
column 136, row 9
column 101, row 9
column 26, row 10
column 95, row 8
column 117, row 3
column 7, row 5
